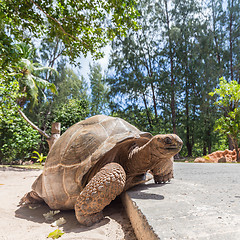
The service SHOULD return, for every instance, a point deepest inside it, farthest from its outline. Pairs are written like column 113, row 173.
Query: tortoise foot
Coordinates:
column 99, row 192
column 163, row 178
column 30, row 198
column 89, row 220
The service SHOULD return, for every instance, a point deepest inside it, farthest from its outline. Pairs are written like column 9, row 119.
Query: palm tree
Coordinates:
column 30, row 82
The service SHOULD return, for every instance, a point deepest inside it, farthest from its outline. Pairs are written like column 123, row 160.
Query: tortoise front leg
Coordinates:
column 108, row 183
column 136, row 180
column 163, row 171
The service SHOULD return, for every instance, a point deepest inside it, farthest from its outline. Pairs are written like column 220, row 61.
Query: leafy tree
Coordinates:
column 99, row 90
column 82, row 26
column 17, row 139
column 232, row 17
column 71, row 112
column 138, row 65
column 229, row 102
column 30, row 84
column 70, row 86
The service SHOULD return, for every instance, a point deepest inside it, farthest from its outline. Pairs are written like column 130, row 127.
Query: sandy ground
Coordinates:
column 29, row 224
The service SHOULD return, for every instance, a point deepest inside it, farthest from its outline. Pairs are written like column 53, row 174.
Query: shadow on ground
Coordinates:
column 35, row 214
column 139, row 192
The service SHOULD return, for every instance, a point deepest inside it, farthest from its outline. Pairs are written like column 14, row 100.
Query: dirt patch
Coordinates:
column 28, row 224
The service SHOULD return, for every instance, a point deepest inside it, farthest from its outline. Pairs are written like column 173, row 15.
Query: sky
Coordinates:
column 84, row 70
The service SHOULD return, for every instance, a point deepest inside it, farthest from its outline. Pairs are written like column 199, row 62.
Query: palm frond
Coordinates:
column 45, row 68
column 41, row 83
column 32, row 89
column 26, row 64
column 43, row 94
column 25, row 49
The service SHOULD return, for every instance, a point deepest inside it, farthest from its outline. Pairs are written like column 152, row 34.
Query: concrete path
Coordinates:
column 201, row 202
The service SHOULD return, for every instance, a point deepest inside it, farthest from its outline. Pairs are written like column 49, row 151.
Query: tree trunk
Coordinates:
column 150, row 75
column 204, row 149
column 154, row 102
column 172, row 104
column 188, row 143
column 55, row 130
column 231, row 39
column 230, row 143
column 215, row 34
column 209, row 147
column 235, row 143
column 148, row 115
column 55, row 134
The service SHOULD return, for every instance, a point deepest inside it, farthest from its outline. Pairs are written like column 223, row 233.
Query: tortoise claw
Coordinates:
column 159, row 179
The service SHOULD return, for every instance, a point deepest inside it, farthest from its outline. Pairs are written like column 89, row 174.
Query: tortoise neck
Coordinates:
column 139, row 159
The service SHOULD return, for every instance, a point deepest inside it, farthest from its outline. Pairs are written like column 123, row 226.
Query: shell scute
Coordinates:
column 55, row 199
column 83, row 144
column 71, row 183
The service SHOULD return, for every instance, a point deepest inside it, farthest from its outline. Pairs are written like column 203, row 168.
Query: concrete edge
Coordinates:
column 139, row 222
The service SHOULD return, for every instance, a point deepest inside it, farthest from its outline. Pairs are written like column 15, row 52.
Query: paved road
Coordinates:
column 201, row 202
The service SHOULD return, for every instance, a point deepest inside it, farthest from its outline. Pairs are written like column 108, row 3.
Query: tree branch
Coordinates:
column 33, row 125
column 55, row 20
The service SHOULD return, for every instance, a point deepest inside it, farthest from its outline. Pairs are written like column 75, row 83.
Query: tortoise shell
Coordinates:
column 75, row 152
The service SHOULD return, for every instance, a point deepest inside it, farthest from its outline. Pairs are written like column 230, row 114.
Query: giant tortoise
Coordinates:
column 97, row 159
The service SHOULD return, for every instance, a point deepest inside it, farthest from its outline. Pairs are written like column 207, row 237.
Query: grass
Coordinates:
column 189, row 159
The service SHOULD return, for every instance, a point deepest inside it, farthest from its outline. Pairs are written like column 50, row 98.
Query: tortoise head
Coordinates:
column 158, row 149
column 166, row 145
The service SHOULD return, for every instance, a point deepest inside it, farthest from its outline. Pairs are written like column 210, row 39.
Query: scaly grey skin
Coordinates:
column 96, row 160
column 113, row 178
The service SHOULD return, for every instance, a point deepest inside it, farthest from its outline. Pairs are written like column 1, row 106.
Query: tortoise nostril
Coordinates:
column 168, row 140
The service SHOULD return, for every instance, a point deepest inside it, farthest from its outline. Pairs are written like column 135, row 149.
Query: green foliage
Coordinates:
column 79, row 27
column 229, row 94
column 161, row 73
column 55, row 234
column 229, row 101
column 40, row 158
column 99, row 90
column 82, row 26
column 29, row 80
column 70, row 86
column 70, row 113
column 18, row 139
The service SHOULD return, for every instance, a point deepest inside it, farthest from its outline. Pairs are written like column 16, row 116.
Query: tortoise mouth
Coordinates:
column 172, row 148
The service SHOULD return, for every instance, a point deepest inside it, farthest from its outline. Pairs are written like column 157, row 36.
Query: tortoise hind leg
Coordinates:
column 33, row 196
column 30, row 198
column 108, row 183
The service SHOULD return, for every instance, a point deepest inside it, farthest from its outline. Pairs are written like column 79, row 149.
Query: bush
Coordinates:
column 18, row 139
column 70, row 113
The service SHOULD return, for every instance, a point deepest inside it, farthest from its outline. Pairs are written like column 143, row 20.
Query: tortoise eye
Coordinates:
column 168, row 140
